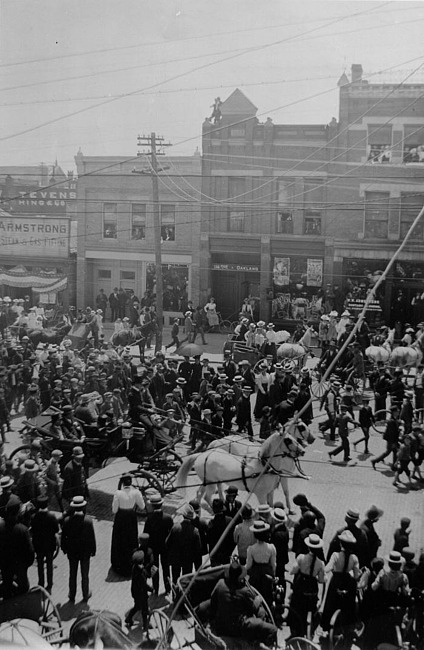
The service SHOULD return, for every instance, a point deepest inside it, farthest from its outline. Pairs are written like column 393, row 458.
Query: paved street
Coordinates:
column 333, row 487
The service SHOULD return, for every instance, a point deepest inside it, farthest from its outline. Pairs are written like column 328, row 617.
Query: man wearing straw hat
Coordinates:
column 79, row 544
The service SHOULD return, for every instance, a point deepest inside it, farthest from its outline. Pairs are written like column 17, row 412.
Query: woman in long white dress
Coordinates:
column 211, row 314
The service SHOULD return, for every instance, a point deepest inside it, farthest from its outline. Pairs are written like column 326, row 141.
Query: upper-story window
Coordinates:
column 377, row 214
column 236, row 220
column 167, row 213
column 410, row 206
column 110, row 220
column 138, row 221
column 312, row 222
column 284, row 222
column 413, row 143
column 379, row 143
column 237, row 133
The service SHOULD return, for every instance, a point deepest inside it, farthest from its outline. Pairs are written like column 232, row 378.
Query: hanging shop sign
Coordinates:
column 34, row 236
column 314, row 270
column 281, row 271
column 236, row 267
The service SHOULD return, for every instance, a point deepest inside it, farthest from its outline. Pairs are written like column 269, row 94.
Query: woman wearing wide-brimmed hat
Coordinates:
column 341, row 592
column 261, row 560
column 309, row 572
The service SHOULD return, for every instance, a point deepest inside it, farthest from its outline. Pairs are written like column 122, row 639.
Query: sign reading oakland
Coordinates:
column 34, row 237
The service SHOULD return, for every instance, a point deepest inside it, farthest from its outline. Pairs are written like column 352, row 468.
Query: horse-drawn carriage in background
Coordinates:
column 148, row 444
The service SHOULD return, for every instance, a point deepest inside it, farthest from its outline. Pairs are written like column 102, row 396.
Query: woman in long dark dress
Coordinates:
column 126, row 501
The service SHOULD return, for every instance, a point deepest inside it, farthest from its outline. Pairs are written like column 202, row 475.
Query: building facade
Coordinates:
column 36, row 235
column 116, row 228
column 296, row 214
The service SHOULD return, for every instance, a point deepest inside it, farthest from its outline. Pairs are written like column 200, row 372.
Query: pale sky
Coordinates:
column 61, row 63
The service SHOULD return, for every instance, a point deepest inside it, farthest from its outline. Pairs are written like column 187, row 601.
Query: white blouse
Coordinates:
column 126, row 498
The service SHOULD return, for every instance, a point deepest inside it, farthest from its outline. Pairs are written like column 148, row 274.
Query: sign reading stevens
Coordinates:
column 34, row 236
column 42, row 201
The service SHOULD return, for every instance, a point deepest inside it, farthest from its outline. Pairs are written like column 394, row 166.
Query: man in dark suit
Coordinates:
column 45, row 529
column 114, row 305
column 74, row 477
column 79, row 544
column 158, row 527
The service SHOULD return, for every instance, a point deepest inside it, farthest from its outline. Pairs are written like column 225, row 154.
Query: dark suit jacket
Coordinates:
column 78, row 538
column 44, row 527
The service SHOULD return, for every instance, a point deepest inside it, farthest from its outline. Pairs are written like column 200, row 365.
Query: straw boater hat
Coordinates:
column 347, row 537
column 314, row 541
column 78, row 503
column 259, row 526
column 394, row 560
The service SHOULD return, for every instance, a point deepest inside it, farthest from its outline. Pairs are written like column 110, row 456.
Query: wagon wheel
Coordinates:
column 300, row 643
column 160, row 631
column 380, row 421
column 319, row 386
column 50, row 621
column 165, row 467
column 144, row 480
column 226, row 327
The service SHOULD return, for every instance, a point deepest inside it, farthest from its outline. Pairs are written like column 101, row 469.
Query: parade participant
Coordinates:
column 279, row 536
column 342, row 422
column 331, row 402
column 52, row 477
column 401, row 535
column 201, row 525
column 285, row 410
column 262, row 381
column 32, row 405
column 79, row 544
column 183, row 545
column 417, row 450
column 70, row 428
column 28, row 487
column 304, row 504
column 265, row 421
column 403, row 458
column 244, row 414
column 407, row 411
column 302, row 529
column 234, row 612
column 74, row 477
column 211, row 314
column 139, row 590
column 174, row 335
column 158, row 526
column 229, row 367
column 308, row 570
column 360, row 547
column 199, row 322
column 16, row 550
column 44, row 533
column 216, row 527
column 373, row 540
column 397, row 388
column 261, row 560
column 127, row 500
column 243, row 535
column 366, row 419
column 232, row 505
column 391, row 436
column 391, row 583
column 344, row 566
column 247, row 374
column 83, row 412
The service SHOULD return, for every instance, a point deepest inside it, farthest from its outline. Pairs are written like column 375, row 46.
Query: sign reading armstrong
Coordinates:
column 34, row 237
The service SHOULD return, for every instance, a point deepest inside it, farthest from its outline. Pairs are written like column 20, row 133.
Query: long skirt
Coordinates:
column 341, row 594
column 124, row 541
column 259, row 577
column 261, row 401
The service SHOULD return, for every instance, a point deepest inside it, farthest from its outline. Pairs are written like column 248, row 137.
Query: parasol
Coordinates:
column 189, row 350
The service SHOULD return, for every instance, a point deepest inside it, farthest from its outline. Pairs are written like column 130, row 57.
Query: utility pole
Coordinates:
column 154, row 141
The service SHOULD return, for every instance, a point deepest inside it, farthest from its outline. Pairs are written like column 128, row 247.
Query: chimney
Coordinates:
column 356, row 71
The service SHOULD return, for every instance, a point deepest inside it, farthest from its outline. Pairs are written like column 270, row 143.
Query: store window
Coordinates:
column 410, row 206
column 379, row 143
column 110, row 220
column 297, row 281
column 104, row 274
column 284, row 222
column 138, row 221
column 377, row 214
column 175, row 285
column 312, row 222
column 236, row 221
column 167, row 213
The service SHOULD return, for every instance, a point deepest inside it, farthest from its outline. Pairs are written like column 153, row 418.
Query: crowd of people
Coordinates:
column 100, row 386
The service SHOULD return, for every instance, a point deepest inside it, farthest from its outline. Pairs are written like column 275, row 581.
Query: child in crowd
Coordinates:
column 401, row 535
column 366, row 419
column 139, row 590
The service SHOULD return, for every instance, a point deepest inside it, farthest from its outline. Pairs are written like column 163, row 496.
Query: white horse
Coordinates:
column 216, row 466
column 401, row 356
column 238, row 445
column 297, row 351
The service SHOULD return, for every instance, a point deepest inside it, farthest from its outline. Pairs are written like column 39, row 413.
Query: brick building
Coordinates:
column 115, row 228
column 294, row 211
column 36, row 234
